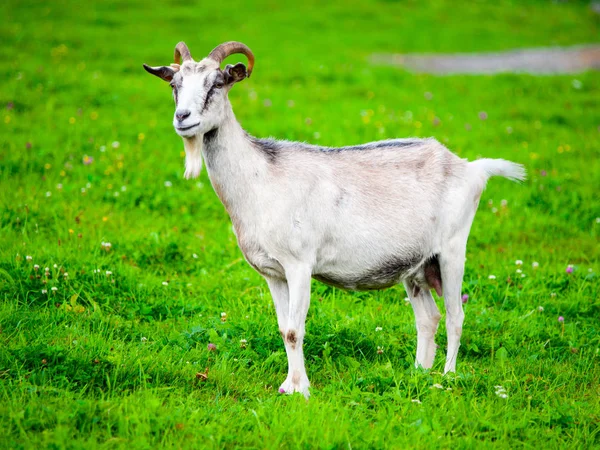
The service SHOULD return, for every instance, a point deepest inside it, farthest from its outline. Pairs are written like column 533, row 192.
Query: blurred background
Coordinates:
column 92, row 188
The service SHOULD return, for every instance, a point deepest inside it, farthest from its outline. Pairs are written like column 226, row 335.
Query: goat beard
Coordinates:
column 193, row 156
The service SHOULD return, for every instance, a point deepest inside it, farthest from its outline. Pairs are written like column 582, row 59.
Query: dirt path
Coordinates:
column 553, row 60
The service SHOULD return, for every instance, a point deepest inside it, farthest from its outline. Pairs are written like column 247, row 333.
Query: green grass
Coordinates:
column 115, row 361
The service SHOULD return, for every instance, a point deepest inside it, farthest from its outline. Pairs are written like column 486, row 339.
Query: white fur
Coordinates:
column 346, row 216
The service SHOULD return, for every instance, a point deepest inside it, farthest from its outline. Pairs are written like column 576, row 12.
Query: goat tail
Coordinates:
column 500, row 167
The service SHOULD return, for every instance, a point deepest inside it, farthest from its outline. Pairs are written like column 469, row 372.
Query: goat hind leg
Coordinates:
column 452, row 268
column 427, row 317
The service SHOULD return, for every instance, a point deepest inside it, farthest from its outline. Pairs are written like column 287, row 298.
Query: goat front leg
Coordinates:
column 293, row 330
column 281, row 297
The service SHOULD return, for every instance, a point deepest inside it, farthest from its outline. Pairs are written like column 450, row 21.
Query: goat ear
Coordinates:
column 236, row 73
column 164, row 72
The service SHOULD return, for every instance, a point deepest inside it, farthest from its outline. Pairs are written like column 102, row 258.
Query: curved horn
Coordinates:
column 181, row 51
column 229, row 48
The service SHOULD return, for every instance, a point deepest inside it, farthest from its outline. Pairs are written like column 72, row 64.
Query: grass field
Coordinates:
column 106, row 345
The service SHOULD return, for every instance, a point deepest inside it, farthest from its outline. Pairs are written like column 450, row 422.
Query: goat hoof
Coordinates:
column 295, row 383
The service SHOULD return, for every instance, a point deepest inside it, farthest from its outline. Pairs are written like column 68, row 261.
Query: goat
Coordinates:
column 364, row 217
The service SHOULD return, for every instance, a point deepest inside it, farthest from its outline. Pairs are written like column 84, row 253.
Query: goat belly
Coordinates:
column 384, row 275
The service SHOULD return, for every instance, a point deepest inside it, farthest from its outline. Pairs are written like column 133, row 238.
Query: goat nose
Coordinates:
column 182, row 115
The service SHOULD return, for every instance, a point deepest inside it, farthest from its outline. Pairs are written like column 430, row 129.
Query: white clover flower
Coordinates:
column 116, row 144
column 519, row 271
column 378, row 328
column 144, row 339
column 518, row 262
column 36, row 267
column 501, row 392
column 54, row 289
column 416, row 400
column 29, row 258
column 66, row 274
column 540, row 308
column 437, row 386
column 44, row 291
column 194, row 256
column 535, row 264
column 494, row 210
column 503, row 203
column 168, row 184
column 48, row 194
column 492, row 277
column 165, row 283
column 108, row 273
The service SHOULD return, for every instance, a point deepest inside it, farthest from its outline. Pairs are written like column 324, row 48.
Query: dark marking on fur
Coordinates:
column 390, row 143
column 291, row 338
column 420, row 164
column 208, row 98
column 447, row 168
column 209, row 136
column 447, row 165
column 340, row 197
column 433, row 275
column 416, row 290
column 386, row 274
column 268, row 147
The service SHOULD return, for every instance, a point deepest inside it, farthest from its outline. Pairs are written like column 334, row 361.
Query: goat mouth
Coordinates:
column 187, row 128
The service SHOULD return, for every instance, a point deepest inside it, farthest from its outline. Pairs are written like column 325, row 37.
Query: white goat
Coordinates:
column 363, row 217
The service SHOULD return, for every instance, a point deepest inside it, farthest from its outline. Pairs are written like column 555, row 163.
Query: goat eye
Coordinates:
column 219, row 85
